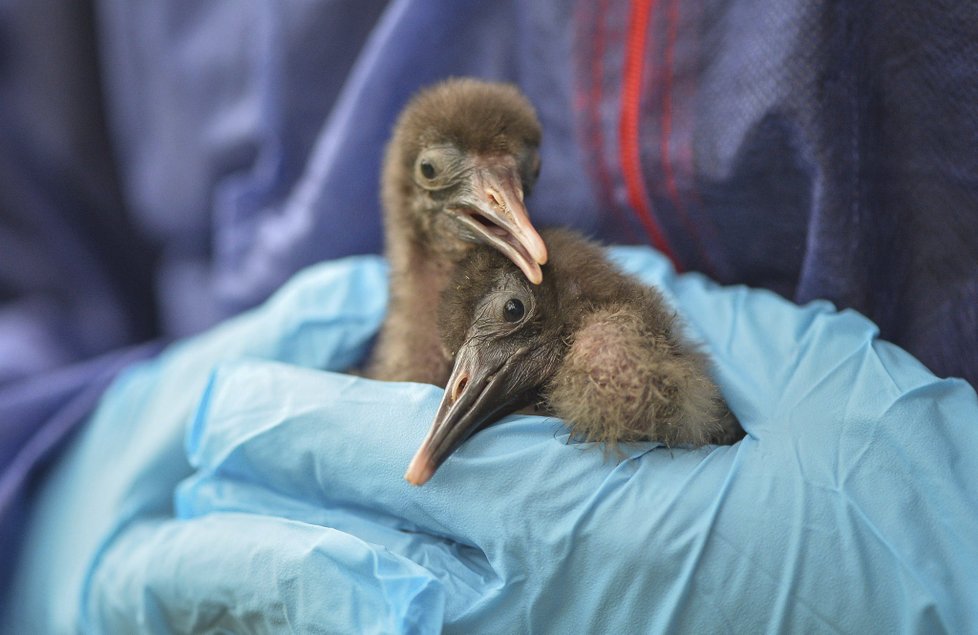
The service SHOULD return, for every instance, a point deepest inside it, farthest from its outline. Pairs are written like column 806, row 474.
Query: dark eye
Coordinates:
column 427, row 170
column 513, row 310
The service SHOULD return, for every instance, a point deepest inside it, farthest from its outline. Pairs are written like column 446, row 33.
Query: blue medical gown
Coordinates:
column 242, row 481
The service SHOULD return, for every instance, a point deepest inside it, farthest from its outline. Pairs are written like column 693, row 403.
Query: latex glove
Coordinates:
column 120, row 473
column 831, row 515
column 802, row 526
column 851, row 504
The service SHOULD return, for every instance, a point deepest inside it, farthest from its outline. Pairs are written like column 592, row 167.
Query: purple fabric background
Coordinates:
column 165, row 165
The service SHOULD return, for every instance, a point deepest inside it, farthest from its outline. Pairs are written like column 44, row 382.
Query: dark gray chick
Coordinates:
column 590, row 344
column 463, row 155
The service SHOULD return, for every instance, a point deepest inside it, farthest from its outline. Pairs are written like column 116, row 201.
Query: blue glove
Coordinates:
column 118, row 478
column 851, row 505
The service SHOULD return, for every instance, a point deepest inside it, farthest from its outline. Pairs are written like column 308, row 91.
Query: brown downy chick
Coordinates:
column 598, row 348
column 463, row 155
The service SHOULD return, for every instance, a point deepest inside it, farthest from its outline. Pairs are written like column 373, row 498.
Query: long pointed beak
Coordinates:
column 479, row 392
column 496, row 213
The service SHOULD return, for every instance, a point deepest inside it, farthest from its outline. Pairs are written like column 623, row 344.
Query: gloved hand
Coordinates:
column 119, row 475
column 850, row 506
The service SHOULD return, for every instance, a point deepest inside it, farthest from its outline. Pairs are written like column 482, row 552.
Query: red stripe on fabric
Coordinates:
column 685, row 152
column 589, row 48
column 668, row 172
column 631, row 98
column 666, row 123
column 594, row 117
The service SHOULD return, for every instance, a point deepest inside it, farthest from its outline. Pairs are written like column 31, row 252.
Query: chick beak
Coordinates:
column 494, row 210
column 481, row 389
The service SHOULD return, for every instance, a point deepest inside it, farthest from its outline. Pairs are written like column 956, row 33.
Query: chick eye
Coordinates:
column 513, row 310
column 427, row 169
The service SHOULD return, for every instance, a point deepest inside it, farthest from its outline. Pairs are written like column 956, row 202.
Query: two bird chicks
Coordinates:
column 506, row 317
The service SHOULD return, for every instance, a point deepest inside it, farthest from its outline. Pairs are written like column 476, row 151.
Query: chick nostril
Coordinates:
column 459, row 387
column 494, row 198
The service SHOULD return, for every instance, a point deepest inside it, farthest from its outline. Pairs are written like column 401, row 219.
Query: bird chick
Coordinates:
column 592, row 345
column 462, row 157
